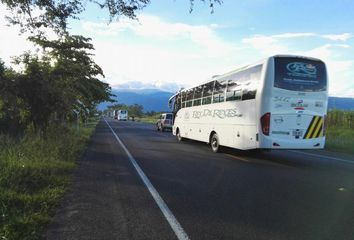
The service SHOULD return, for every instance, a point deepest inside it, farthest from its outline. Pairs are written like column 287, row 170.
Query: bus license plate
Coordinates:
column 297, row 133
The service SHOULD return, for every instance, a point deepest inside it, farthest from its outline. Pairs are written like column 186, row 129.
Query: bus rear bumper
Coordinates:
column 316, row 143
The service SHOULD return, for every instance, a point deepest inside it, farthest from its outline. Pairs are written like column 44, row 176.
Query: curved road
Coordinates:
column 230, row 195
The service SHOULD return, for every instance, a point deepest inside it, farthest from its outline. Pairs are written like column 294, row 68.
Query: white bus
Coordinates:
column 122, row 115
column 277, row 103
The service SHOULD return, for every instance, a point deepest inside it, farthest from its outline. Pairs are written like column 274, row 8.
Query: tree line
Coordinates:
column 134, row 110
column 54, row 87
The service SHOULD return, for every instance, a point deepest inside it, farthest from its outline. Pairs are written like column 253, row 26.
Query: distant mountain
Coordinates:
column 341, row 103
column 150, row 99
column 157, row 100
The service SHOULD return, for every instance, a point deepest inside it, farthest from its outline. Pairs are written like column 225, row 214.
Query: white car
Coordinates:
column 164, row 122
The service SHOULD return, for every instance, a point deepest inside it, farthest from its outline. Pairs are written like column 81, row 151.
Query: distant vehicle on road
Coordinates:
column 277, row 103
column 122, row 115
column 164, row 122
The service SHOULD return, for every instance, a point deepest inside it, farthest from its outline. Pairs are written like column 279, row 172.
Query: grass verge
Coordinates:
column 34, row 174
column 340, row 140
column 150, row 120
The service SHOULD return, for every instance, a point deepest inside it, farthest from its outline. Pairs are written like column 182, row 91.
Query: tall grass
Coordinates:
column 340, row 131
column 340, row 139
column 35, row 171
column 151, row 119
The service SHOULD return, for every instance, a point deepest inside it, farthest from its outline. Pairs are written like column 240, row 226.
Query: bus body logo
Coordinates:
column 302, row 69
column 217, row 113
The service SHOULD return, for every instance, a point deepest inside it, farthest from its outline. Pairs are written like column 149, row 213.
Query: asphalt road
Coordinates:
column 197, row 194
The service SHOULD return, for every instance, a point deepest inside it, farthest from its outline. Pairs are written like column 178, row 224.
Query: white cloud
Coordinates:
column 123, row 63
column 293, row 35
column 274, row 44
column 12, row 42
column 267, row 45
column 338, row 37
column 137, row 85
column 155, row 28
column 158, row 53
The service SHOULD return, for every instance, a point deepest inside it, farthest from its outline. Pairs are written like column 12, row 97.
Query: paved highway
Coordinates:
column 136, row 183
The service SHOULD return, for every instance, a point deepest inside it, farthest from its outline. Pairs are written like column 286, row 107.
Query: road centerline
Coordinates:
column 236, row 157
column 171, row 219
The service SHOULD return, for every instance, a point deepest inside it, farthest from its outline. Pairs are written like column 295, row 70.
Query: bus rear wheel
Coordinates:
column 179, row 137
column 214, row 143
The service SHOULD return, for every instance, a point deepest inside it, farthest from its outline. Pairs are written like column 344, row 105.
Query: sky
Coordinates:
column 168, row 47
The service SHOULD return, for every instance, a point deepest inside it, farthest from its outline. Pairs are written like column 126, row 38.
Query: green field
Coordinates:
column 35, row 171
column 340, row 139
column 151, row 119
column 340, row 131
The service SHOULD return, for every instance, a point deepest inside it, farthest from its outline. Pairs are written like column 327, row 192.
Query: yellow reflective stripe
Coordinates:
column 321, row 133
column 308, row 128
column 318, row 129
column 312, row 126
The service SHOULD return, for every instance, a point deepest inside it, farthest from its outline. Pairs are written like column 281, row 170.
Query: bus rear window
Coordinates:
column 298, row 74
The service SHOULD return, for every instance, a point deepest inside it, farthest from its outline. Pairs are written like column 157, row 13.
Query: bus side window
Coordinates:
column 253, row 79
column 197, row 95
column 189, row 97
column 184, row 99
column 248, row 94
column 207, row 92
column 197, row 102
column 233, row 91
column 219, row 91
column 177, row 103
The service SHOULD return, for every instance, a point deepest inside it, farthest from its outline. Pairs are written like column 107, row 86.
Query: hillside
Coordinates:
column 341, row 103
column 150, row 99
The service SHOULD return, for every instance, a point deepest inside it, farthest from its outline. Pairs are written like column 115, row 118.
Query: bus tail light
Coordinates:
column 265, row 123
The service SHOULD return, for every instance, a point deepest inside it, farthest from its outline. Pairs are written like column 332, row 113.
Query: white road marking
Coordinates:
column 171, row 219
column 236, row 157
column 322, row 156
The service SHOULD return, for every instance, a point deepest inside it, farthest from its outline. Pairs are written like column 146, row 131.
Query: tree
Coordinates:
column 135, row 110
column 64, row 80
column 75, row 69
column 13, row 114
